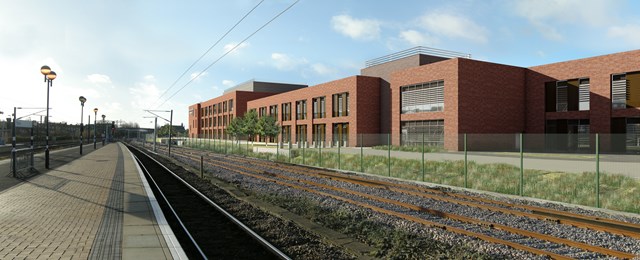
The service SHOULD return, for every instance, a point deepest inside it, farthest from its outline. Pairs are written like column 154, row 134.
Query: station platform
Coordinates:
column 94, row 206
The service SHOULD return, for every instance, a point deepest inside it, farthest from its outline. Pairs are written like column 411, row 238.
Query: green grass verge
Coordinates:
column 617, row 192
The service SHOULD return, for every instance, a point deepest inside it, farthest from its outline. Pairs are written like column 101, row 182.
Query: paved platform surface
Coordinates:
column 93, row 206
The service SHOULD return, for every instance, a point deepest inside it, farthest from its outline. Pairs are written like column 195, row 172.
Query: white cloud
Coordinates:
column 197, row 76
column 322, row 69
column 630, row 33
column 230, row 46
column 99, row 79
column 414, row 37
column 150, row 78
column 228, row 83
column 284, row 62
column 144, row 95
column 453, row 26
column 546, row 15
column 359, row 29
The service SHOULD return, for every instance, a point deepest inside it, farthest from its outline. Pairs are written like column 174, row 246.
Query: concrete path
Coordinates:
column 93, row 206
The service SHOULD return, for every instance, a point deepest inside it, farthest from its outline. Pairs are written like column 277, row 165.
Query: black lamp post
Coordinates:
column 82, row 100
column 49, row 76
column 104, row 135
column 95, row 113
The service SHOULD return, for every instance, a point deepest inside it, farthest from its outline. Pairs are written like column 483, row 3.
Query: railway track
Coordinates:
column 268, row 171
column 207, row 230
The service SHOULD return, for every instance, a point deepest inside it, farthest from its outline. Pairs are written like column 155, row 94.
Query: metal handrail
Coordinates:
column 414, row 51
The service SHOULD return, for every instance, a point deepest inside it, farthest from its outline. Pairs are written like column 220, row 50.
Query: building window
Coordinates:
column 230, row 105
column 301, row 110
column 562, row 96
column 583, row 95
column 412, row 132
column 341, row 134
column 262, row 111
column 286, row 134
column 625, row 90
column 340, row 104
column 318, row 134
column 318, row 107
column 286, row 111
column 301, row 134
column 424, row 97
column 224, row 106
column 273, row 111
column 215, row 111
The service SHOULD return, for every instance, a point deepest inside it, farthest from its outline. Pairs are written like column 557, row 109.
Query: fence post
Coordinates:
column 320, row 152
column 466, row 185
column 361, row 154
column 303, row 154
column 521, row 166
column 339, row 141
column 389, row 154
column 422, row 156
column 597, row 170
column 277, row 150
column 201, row 166
column 289, row 151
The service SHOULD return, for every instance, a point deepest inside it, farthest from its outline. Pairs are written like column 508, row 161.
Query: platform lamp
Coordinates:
column 95, row 113
column 82, row 100
column 49, row 76
column 104, row 135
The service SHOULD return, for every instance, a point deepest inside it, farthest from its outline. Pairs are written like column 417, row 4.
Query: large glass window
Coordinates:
column 301, row 134
column 286, row 111
column 273, row 111
column 584, row 93
column 341, row 134
column 301, row 110
column 619, row 91
column 340, row 104
column 231, row 105
column 286, row 133
column 412, row 132
column 318, row 107
column 262, row 111
column 318, row 134
column 425, row 97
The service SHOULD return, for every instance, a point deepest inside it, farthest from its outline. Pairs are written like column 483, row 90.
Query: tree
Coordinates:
column 235, row 127
column 164, row 131
column 249, row 126
column 267, row 126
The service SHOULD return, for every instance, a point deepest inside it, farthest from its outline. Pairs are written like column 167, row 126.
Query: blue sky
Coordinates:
column 122, row 55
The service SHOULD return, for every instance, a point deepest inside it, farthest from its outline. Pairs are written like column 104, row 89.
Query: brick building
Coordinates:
column 445, row 94
column 210, row 118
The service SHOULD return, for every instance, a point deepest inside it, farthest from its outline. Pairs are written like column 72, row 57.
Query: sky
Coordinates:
column 124, row 56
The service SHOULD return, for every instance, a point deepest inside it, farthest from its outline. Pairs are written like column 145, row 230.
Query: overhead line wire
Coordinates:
column 232, row 49
column 208, row 50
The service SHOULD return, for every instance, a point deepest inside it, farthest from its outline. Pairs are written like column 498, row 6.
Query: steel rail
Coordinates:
column 460, row 218
column 236, row 221
column 385, row 185
column 584, row 221
column 578, row 220
column 175, row 214
column 400, row 215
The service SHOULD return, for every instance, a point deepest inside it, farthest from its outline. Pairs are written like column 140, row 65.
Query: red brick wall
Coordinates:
column 490, row 98
column 598, row 70
column 363, row 96
column 444, row 70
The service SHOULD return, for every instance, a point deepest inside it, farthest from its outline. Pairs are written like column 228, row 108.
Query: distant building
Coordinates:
column 442, row 95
